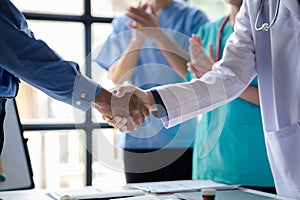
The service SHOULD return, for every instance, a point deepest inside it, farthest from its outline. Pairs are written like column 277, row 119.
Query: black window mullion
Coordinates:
column 89, row 131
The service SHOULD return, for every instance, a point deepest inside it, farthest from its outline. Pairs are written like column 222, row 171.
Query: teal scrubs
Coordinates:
column 237, row 155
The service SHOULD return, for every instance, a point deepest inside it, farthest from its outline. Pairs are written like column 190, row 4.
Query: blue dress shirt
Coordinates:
column 24, row 57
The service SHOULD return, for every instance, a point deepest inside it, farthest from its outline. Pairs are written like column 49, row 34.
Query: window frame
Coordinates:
column 88, row 126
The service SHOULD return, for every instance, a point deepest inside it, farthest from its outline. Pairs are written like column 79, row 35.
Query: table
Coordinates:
column 41, row 195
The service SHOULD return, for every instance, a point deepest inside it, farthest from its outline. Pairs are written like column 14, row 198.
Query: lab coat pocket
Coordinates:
column 283, row 150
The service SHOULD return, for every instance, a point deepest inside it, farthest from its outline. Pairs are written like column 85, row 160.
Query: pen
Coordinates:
column 103, row 195
column 104, row 198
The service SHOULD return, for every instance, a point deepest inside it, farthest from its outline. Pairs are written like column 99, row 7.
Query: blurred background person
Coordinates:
column 145, row 44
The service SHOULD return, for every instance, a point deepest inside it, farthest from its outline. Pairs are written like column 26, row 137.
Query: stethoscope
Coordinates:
column 219, row 38
column 265, row 26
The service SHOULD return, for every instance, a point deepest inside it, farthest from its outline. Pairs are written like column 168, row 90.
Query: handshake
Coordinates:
column 126, row 107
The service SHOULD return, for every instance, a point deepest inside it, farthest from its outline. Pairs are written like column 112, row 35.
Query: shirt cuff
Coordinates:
column 84, row 92
column 161, row 111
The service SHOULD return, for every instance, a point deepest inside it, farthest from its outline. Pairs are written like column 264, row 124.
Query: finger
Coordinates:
column 194, row 51
column 194, row 70
column 127, row 128
column 138, row 15
column 197, row 39
column 112, row 123
column 145, row 112
column 194, row 46
column 106, row 117
column 137, row 120
column 122, row 90
column 136, row 115
column 144, row 6
column 152, row 10
column 131, row 26
column 120, row 121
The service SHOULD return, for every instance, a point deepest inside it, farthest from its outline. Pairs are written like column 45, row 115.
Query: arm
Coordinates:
column 175, row 55
column 228, row 78
column 34, row 62
column 251, row 95
column 225, row 82
column 123, row 69
column 201, row 63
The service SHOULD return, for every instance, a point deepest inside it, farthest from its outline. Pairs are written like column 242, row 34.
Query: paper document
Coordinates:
column 92, row 193
column 180, row 186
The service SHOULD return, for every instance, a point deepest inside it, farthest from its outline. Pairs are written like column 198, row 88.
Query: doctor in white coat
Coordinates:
column 266, row 42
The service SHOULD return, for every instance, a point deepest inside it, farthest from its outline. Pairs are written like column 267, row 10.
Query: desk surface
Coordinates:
column 41, row 195
column 24, row 195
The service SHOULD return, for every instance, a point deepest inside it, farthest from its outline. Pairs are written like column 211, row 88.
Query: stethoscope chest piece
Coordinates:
column 266, row 26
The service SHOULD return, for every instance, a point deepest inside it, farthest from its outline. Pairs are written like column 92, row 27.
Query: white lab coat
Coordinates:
column 275, row 57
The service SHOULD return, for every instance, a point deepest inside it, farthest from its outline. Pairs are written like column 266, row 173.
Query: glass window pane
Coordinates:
column 100, row 32
column 110, row 8
column 67, row 39
column 107, row 165
column 69, row 7
column 57, row 158
column 214, row 9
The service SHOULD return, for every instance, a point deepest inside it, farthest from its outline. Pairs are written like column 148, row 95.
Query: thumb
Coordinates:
column 124, row 89
column 152, row 11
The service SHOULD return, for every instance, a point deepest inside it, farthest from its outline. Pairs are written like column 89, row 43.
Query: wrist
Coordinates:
column 150, row 102
column 102, row 99
column 137, row 41
column 158, row 107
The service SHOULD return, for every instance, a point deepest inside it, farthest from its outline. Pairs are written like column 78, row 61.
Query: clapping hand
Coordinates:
column 200, row 63
column 145, row 21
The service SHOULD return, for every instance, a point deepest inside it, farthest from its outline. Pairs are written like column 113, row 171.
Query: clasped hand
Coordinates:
column 125, row 108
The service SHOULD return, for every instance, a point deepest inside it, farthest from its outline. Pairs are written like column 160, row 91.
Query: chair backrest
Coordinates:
column 15, row 166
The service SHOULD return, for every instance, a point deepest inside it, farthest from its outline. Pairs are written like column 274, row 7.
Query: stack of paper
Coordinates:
column 180, row 186
column 92, row 193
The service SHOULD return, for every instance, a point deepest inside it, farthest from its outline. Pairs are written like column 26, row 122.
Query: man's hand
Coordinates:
column 145, row 97
column 200, row 62
column 126, row 111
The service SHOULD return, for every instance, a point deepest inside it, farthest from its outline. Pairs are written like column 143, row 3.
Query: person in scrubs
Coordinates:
column 22, row 56
column 229, row 144
column 133, row 53
column 265, row 43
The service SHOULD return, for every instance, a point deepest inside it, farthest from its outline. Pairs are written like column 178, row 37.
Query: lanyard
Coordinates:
column 219, row 38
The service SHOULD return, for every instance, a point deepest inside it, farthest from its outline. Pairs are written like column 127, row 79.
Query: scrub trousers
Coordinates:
column 179, row 169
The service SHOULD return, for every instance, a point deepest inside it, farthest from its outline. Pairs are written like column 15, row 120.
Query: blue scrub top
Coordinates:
column 180, row 21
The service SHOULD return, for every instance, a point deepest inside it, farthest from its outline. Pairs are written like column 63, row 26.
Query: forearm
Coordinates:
column 176, row 56
column 251, row 95
column 123, row 69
